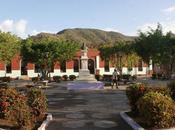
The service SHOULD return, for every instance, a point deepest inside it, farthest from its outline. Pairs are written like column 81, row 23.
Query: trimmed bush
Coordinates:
column 126, row 77
column 98, row 77
column 57, row 78
column 134, row 77
column 65, row 77
column 13, row 107
column 35, row 79
column 72, row 77
column 134, row 92
column 37, row 102
column 162, row 90
column 5, row 79
column 157, row 110
column 171, row 86
column 154, row 76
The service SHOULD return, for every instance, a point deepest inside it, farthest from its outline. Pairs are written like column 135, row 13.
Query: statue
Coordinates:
column 84, row 47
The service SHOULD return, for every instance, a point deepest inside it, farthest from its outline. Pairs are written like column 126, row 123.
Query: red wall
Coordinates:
column 16, row 63
column 92, row 53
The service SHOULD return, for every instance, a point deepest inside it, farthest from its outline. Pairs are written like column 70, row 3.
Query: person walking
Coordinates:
column 115, row 78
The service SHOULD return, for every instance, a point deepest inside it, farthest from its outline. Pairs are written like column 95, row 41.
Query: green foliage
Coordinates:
column 35, row 79
column 37, row 102
column 65, row 77
column 134, row 92
column 157, row 110
column 98, row 77
column 171, row 86
column 72, row 77
column 5, row 79
column 57, row 78
column 14, row 107
column 156, row 46
column 46, row 51
column 120, row 54
column 9, row 46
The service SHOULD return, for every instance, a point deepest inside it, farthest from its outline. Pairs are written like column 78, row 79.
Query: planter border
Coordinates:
column 135, row 125
column 130, row 121
column 46, row 122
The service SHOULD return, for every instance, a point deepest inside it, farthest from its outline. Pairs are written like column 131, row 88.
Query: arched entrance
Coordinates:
column 91, row 66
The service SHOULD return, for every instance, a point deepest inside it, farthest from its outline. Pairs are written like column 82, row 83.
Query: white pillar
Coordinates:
column 98, row 62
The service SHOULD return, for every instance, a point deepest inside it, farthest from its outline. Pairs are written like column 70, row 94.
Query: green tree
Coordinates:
column 45, row 52
column 9, row 47
column 154, row 45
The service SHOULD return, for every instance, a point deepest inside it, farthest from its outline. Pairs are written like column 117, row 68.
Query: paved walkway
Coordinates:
column 86, row 110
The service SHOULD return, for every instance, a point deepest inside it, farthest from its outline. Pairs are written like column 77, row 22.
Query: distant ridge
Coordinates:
column 92, row 37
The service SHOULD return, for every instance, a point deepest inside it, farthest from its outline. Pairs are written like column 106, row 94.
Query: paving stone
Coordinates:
column 75, row 116
column 105, row 124
column 101, row 115
column 56, row 99
column 51, row 103
column 74, row 124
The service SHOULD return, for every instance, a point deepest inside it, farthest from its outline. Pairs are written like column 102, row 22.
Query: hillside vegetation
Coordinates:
column 92, row 37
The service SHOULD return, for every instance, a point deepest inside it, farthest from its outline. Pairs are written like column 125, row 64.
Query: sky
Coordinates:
column 30, row 17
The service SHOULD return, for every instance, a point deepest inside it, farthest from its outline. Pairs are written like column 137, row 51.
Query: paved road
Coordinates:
column 86, row 110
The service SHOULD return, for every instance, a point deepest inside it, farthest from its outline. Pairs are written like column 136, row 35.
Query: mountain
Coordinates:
column 92, row 37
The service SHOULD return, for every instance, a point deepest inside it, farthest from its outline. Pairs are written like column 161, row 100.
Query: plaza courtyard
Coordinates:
column 86, row 110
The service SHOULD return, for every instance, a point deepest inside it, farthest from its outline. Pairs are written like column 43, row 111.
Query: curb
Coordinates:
column 134, row 125
column 46, row 122
column 130, row 121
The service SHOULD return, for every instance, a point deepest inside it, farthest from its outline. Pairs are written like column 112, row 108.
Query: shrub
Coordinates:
column 13, row 107
column 134, row 77
column 134, row 92
column 98, row 77
column 37, row 102
column 5, row 79
column 162, row 90
column 154, row 76
column 72, row 77
column 157, row 110
column 65, row 77
column 57, row 78
column 35, row 79
column 171, row 86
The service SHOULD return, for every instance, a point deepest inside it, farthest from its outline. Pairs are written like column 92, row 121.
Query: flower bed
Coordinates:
column 22, row 111
column 152, row 108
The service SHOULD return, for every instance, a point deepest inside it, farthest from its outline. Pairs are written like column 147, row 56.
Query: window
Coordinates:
column 106, row 67
column 37, row 68
column 140, row 65
column 76, row 65
column 63, row 66
column 9, row 68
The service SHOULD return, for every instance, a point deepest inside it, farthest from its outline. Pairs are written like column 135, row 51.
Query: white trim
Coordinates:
column 130, row 121
column 46, row 122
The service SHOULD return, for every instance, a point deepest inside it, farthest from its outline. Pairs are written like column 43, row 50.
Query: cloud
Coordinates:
column 16, row 27
column 167, row 26
column 6, row 25
column 110, row 29
column 35, row 32
column 169, row 9
column 20, row 27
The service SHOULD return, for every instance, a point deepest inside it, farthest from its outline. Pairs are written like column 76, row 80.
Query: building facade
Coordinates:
column 95, row 64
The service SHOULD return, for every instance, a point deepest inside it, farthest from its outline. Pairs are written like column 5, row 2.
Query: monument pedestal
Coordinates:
column 85, row 81
column 84, row 75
